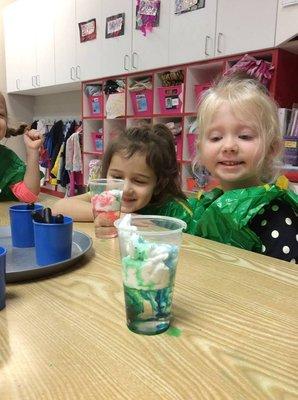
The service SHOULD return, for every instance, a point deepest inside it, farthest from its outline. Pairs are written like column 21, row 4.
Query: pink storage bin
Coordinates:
column 97, row 140
column 191, row 143
column 178, row 146
column 200, row 89
column 95, row 105
column 170, row 99
column 142, row 102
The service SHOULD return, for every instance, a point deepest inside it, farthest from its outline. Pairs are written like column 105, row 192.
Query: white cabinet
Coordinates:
column 89, row 52
column 287, row 22
column 192, row 34
column 151, row 51
column 116, row 51
column 133, row 51
column 244, row 25
column 29, row 47
column 12, row 21
column 75, row 61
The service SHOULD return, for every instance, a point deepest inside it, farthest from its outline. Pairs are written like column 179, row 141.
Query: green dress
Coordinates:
column 12, row 171
column 225, row 216
column 177, row 208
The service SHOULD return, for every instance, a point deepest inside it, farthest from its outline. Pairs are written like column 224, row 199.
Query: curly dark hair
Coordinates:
column 157, row 144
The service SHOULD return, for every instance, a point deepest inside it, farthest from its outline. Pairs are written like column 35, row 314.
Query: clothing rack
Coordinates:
column 49, row 122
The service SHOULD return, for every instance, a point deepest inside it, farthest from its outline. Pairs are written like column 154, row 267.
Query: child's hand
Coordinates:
column 33, row 139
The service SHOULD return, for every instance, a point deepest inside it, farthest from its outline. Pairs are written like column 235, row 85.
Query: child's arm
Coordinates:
column 77, row 207
column 33, row 142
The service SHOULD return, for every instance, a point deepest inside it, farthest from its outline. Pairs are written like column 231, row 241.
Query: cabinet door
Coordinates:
column 151, row 51
column 65, row 40
column 44, row 34
column 245, row 25
column 20, row 45
column 11, row 22
column 116, row 51
column 88, row 53
column 192, row 33
column 287, row 22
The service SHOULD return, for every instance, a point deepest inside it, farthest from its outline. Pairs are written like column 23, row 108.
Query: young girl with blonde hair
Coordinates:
column 240, row 144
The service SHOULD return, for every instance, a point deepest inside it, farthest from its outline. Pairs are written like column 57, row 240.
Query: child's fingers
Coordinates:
column 33, row 134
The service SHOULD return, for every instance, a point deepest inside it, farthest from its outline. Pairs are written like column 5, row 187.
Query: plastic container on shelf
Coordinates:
column 97, row 139
column 170, row 99
column 200, row 89
column 291, row 150
column 142, row 102
column 96, row 105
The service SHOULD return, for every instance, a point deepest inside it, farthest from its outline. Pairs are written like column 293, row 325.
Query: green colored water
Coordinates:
column 148, row 311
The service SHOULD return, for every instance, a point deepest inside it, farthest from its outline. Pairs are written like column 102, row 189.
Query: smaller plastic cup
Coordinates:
column 2, row 276
column 21, row 224
column 149, row 248
column 106, row 195
column 53, row 242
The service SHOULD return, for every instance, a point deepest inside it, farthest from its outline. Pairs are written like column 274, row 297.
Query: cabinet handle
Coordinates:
column 78, row 72
column 206, row 45
column 72, row 72
column 18, row 84
column 133, row 59
column 220, row 35
column 126, row 62
column 37, row 79
column 33, row 80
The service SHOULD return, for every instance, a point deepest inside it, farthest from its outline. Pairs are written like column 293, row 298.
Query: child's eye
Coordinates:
column 214, row 138
column 246, row 136
column 139, row 182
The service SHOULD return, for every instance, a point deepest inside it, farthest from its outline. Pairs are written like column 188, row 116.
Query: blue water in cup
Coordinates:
column 53, row 242
column 21, row 224
column 2, row 276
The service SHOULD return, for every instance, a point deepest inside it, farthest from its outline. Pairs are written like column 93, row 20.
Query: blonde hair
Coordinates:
column 251, row 103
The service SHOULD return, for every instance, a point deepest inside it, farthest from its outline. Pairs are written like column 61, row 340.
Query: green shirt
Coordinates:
column 171, row 208
column 12, row 171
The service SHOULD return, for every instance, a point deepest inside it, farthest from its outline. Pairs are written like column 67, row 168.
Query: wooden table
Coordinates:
column 65, row 337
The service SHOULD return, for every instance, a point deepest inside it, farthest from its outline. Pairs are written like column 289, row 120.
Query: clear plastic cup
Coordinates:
column 149, row 251
column 106, row 195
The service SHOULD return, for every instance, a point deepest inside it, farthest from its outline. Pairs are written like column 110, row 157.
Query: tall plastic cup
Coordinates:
column 106, row 195
column 21, row 224
column 53, row 242
column 2, row 276
column 149, row 248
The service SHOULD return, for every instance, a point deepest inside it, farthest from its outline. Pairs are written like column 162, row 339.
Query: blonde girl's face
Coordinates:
column 231, row 150
column 140, row 180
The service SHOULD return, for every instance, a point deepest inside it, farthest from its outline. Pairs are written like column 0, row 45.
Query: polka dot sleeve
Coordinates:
column 277, row 227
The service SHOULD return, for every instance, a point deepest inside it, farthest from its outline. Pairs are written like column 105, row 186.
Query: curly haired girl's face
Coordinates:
column 231, row 150
column 140, row 180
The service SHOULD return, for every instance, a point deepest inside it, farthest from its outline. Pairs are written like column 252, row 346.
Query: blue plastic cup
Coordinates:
column 53, row 242
column 21, row 224
column 2, row 276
